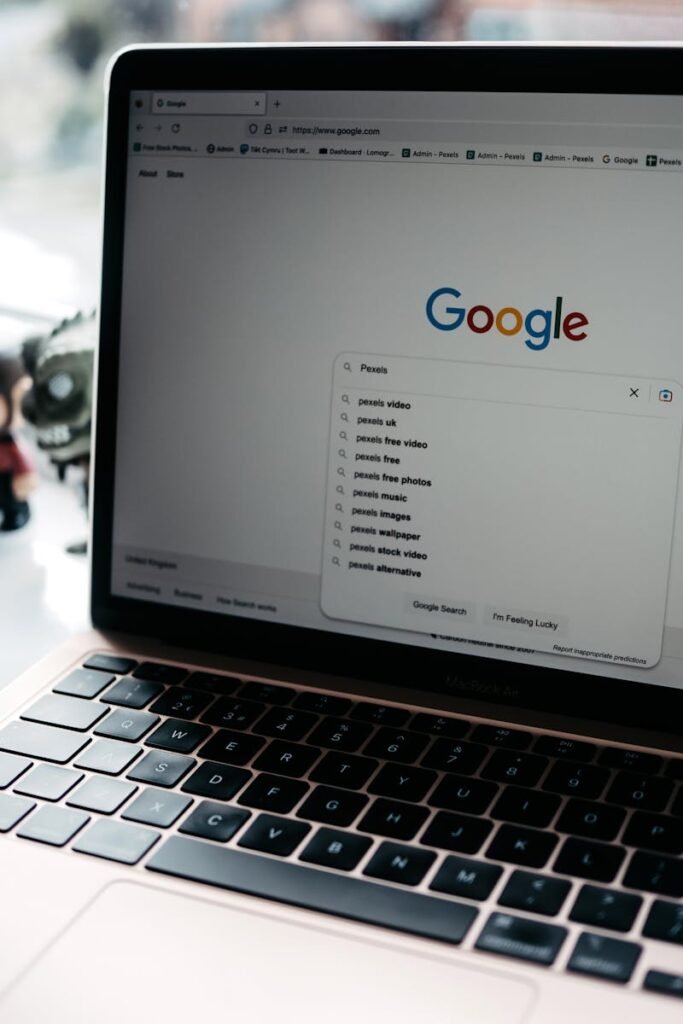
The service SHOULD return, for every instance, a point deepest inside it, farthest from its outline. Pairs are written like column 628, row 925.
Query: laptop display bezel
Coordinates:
column 613, row 70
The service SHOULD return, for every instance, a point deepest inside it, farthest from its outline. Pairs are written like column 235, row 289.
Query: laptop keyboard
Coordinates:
column 359, row 809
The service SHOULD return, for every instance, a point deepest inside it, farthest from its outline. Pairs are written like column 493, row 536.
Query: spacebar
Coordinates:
column 445, row 920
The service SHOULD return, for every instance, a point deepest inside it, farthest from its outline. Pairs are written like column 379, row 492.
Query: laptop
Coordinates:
column 380, row 716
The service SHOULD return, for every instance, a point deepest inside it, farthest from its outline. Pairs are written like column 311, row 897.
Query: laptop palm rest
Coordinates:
column 137, row 953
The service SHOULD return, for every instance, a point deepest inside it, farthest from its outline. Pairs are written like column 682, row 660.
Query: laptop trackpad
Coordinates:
column 136, row 953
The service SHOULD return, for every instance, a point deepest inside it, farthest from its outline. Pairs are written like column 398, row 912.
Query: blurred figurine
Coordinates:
column 17, row 472
column 58, row 403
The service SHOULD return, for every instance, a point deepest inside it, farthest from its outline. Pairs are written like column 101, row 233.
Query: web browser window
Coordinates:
column 408, row 367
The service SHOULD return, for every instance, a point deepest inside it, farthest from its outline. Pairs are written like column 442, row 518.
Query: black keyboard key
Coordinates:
column 215, row 780
column 394, row 745
column 663, row 983
column 154, row 808
column 271, row 834
column 267, row 693
column 322, row 704
column 84, row 682
column 674, row 768
column 592, row 820
column 48, row 782
column 606, row 908
column 13, row 809
column 677, row 806
column 285, row 758
column 180, row 703
column 522, row 938
column 43, row 741
column 101, row 794
column 161, row 768
column 630, row 760
column 108, row 756
column 332, row 806
column 156, row 672
column 655, row 873
column 520, row 769
column 644, row 792
column 332, row 849
column 393, row 819
column 273, row 793
column 536, row 893
column 519, row 845
column 126, row 725
column 402, row 782
column 345, row 770
column 174, row 734
column 396, row 863
column 602, row 957
column 65, row 712
column 575, row 779
column 526, row 807
column 231, row 747
column 585, row 859
column 233, row 713
column 665, row 922
column 340, row 734
column 438, row 725
column 213, row 682
column 460, row 876
column 452, row 756
column 214, row 821
column 659, row 832
column 379, row 714
column 565, row 749
column 470, row 796
column 53, row 825
column 11, row 767
column 284, row 723
column 110, row 663
column 132, row 693
column 328, row 892
column 502, row 736
column 457, row 832
column 116, row 840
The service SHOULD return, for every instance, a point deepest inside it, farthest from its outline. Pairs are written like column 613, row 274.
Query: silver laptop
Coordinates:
column 380, row 717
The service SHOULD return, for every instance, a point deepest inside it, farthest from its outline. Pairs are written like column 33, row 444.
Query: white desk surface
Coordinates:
column 43, row 590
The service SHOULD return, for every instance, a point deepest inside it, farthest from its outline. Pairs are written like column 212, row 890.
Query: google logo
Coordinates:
column 540, row 324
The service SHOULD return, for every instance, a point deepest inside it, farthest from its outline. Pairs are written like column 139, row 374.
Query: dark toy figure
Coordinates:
column 59, row 402
column 17, row 473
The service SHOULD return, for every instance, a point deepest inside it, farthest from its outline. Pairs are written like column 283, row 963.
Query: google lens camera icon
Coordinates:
column 665, row 395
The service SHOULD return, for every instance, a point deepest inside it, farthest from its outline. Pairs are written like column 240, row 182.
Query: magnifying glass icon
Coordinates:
column 342, row 453
column 345, row 417
column 340, row 489
column 347, row 366
column 336, row 543
column 345, row 398
column 337, row 525
column 344, row 436
column 339, row 507
column 335, row 560
column 340, row 472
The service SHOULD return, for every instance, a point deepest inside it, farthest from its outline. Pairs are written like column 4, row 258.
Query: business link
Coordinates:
column 316, row 129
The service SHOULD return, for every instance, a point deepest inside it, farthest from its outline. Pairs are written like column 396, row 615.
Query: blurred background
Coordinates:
column 53, row 55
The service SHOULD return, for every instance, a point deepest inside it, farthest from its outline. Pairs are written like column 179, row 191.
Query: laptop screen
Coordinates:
column 408, row 367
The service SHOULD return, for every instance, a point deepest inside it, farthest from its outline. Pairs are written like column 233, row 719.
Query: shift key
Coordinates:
column 41, row 741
